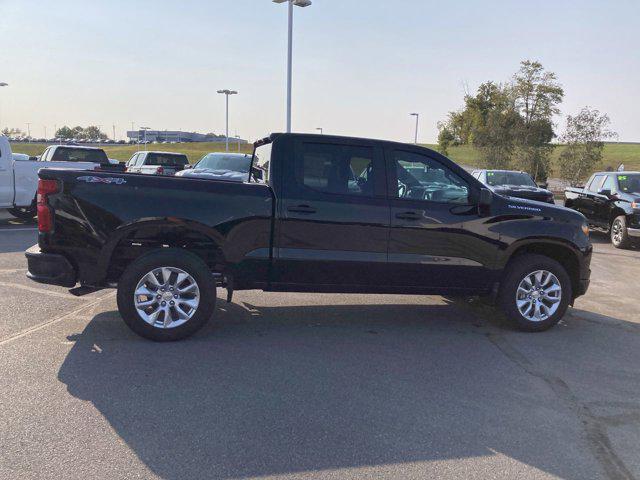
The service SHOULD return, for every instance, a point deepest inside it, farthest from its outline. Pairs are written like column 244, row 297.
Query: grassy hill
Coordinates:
column 614, row 153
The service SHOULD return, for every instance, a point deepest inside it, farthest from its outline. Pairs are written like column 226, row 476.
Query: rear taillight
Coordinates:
column 160, row 170
column 45, row 219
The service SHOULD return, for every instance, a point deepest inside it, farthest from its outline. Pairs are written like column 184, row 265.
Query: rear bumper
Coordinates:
column 50, row 268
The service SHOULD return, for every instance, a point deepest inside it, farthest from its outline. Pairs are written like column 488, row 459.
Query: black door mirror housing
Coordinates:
column 543, row 185
column 485, row 198
column 605, row 192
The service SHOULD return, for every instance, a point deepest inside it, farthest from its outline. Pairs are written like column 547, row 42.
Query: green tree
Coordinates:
column 92, row 132
column 12, row 132
column 445, row 138
column 495, row 122
column 65, row 133
column 536, row 95
column 584, row 139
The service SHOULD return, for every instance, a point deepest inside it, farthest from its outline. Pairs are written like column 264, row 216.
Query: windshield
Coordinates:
column 629, row 183
column 218, row 161
column 166, row 159
column 510, row 178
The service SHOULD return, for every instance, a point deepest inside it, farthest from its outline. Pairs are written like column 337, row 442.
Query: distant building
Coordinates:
column 175, row 136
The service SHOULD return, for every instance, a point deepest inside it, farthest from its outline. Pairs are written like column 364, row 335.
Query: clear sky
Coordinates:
column 360, row 66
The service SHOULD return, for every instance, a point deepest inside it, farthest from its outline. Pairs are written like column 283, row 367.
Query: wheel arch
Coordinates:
column 562, row 252
column 135, row 239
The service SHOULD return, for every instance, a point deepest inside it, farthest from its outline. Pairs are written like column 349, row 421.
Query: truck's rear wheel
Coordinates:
column 535, row 292
column 166, row 295
column 619, row 235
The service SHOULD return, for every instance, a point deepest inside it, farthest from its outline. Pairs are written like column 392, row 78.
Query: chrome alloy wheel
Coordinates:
column 616, row 232
column 538, row 295
column 166, row 297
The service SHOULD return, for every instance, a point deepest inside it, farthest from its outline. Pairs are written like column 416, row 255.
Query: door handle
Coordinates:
column 408, row 216
column 301, row 209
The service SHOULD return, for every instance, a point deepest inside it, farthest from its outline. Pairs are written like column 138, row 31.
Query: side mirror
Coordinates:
column 543, row 185
column 187, row 166
column 486, row 197
column 606, row 192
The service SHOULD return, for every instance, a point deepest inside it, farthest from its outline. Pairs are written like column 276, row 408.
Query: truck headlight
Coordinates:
column 585, row 229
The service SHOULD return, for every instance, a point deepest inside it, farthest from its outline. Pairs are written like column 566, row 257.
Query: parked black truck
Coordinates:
column 336, row 214
column 611, row 203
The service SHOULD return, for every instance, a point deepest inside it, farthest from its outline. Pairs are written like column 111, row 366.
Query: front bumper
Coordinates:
column 50, row 268
column 633, row 232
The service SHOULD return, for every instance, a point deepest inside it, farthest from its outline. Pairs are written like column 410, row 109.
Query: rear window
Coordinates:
column 79, row 155
column 166, row 160
column 510, row 178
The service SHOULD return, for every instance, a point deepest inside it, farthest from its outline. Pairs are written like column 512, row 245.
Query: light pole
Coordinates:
column 144, row 133
column 3, row 84
column 320, row 130
column 417, row 115
column 297, row 3
column 226, row 94
column 238, row 138
column 29, row 131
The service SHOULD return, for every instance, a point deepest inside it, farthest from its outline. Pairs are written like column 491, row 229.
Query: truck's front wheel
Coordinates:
column 166, row 295
column 24, row 213
column 535, row 292
column 619, row 235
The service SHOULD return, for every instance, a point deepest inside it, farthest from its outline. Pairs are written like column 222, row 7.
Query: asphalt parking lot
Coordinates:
column 319, row 386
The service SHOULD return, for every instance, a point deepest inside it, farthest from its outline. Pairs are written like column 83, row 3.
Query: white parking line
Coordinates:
column 41, row 291
column 20, row 229
column 27, row 331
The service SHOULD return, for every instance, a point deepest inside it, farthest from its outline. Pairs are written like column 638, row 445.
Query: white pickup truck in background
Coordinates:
column 19, row 173
column 157, row 163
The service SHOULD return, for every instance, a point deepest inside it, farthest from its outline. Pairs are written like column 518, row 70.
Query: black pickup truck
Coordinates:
column 335, row 214
column 611, row 203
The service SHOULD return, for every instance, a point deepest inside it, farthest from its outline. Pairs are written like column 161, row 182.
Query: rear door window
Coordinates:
column 337, row 169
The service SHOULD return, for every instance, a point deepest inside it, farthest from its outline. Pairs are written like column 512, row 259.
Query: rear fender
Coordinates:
column 128, row 230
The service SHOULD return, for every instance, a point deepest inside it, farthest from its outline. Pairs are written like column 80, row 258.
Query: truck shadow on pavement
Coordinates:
column 267, row 390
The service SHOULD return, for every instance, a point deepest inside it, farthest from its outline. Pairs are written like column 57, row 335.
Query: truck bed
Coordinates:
column 98, row 213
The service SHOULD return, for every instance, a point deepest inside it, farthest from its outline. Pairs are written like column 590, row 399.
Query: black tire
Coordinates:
column 515, row 273
column 618, row 231
column 24, row 213
column 167, row 257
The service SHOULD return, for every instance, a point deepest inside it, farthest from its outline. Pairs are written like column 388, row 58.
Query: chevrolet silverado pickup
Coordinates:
column 334, row 215
column 611, row 203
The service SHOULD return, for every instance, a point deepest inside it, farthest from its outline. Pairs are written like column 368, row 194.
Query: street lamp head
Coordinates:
column 415, row 114
column 297, row 3
column 228, row 92
column 2, row 84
